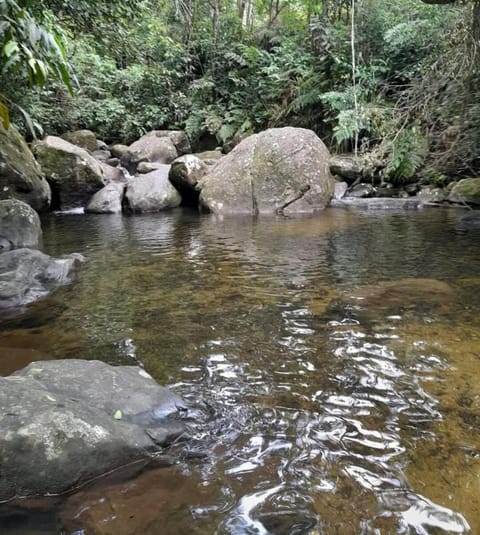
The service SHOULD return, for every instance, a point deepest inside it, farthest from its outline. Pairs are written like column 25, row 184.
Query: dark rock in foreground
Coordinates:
column 66, row 422
column 27, row 275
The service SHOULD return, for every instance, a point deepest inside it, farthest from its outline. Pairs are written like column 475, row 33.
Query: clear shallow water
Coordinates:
column 340, row 354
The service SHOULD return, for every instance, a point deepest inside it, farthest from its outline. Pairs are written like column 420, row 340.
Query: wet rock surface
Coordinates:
column 27, row 275
column 66, row 422
column 378, row 203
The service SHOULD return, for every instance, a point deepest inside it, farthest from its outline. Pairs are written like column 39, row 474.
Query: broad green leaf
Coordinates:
column 10, row 48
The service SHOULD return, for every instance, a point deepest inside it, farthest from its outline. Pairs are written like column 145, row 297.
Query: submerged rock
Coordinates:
column 27, row 275
column 406, row 293
column 469, row 222
column 20, row 175
column 152, row 192
column 281, row 170
column 66, row 422
column 19, row 226
column 378, row 203
column 73, row 173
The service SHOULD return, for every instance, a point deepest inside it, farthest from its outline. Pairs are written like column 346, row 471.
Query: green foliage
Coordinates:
column 405, row 154
column 29, row 50
column 206, row 68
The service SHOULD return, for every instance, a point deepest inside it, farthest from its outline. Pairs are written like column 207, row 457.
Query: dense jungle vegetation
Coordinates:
column 396, row 80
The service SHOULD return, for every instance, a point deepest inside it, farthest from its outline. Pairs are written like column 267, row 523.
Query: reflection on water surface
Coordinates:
column 340, row 355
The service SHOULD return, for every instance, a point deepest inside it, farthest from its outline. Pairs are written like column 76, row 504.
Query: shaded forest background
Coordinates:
column 223, row 69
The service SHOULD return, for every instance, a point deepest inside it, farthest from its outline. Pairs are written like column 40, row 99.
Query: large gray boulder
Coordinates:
column 20, row 175
column 26, row 275
column 149, row 148
column 108, row 200
column 19, row 226
column 178, row 138
column 281, row 170
column 466, row 191
column 84, row 139
column 72, row 172
column 186, row 174
column 152, row 192
column 66, row 422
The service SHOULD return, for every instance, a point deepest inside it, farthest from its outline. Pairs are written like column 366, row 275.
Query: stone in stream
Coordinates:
column 73, row 173
column 186, row 175
column 66, row 422
column 406, row 293
column 27, row 275
column 19, row 226
column 151, row 192
column 280, row 170
column 108, row 200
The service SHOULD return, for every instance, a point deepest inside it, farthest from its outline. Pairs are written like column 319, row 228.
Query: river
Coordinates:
column 340, row 355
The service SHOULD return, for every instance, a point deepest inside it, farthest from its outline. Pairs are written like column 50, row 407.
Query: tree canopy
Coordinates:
column 222, row 69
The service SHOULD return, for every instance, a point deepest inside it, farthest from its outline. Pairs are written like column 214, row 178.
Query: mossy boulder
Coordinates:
column 19, row 225
column 280, row 170
column 466, row 191
column 20, row 175
column 74, row 175
column 84, row 139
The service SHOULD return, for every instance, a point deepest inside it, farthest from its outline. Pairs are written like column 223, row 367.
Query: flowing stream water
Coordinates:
column 340, row 355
